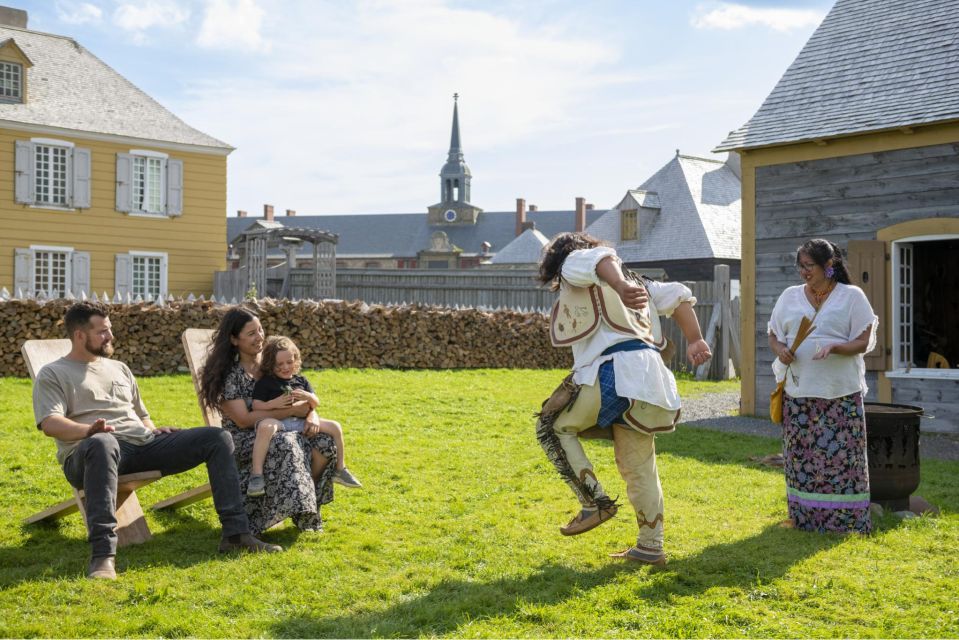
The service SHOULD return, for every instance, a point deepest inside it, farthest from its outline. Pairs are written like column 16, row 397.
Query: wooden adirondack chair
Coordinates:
column 131, row 525
column 196, row 344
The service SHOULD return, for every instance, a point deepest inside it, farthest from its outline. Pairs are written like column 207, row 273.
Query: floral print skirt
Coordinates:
column 290, row 489
column 827, row 475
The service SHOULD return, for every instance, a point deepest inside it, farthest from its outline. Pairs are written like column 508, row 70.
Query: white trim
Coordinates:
column 107, row 137
column 152, row 216
column 53, row 141
column 46, row 247
column 51, row 207
column 147, row 152
column 150, row 254
column 915, row 372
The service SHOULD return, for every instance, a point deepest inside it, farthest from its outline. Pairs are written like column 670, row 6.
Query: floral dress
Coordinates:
column 290, row 489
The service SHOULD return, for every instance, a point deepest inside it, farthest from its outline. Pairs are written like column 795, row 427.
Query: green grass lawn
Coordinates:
column 456, row 535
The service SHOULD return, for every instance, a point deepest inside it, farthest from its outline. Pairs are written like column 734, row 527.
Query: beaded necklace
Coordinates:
column 820, row 296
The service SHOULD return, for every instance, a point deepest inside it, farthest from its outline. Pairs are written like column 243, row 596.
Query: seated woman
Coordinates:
column 297, row 473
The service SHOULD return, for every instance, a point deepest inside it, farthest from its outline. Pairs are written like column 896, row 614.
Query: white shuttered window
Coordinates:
column 51, row 272
column 149, row 183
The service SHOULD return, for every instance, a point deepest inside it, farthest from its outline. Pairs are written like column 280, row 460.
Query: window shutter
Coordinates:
column 164, row 284
column 174, row 188
column 23, row 272
column 23, row 177
column 80, row 273
column 123, row 274
column 124, row 182
column 867, row 270
column 81, row 178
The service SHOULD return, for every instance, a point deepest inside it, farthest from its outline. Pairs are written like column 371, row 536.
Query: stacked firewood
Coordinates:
column 329, row 334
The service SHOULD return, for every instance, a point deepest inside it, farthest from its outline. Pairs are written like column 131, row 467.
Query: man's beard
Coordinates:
column 105, row 350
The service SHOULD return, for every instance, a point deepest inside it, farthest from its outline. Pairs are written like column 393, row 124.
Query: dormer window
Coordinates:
column 11, row 82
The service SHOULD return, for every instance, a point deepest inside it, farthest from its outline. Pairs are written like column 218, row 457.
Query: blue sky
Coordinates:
column 338, row 107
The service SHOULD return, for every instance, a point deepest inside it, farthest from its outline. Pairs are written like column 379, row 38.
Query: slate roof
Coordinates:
column 403, row 235
column 526, row 248
column 70, row 88
column 699, row 214
column 871, row 65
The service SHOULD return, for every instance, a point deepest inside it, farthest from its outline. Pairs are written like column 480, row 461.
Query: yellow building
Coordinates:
column 859, row 144
column 101, row 188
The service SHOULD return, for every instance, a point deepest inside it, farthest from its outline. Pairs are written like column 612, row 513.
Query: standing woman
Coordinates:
column 298, row 476
column 824, row 428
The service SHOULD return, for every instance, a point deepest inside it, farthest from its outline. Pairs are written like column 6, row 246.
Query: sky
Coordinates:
column 345, row 107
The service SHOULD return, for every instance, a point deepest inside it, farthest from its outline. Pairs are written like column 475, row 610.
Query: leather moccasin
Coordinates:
column 581, row 523
column 634, row 554
column 102, row 568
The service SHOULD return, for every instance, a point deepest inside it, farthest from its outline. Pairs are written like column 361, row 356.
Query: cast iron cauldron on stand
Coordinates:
column 892, row 440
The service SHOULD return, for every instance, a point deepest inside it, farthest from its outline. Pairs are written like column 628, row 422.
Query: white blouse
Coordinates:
column 641, row 375
column 843, row 316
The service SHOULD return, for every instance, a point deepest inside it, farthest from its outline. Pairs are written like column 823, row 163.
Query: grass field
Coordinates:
column 456, row 535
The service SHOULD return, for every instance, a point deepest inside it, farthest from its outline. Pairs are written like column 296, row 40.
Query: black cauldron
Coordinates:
column 892, row 440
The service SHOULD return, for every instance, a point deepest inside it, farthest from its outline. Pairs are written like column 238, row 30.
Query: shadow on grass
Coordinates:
column 47, row 554
column 748, row 564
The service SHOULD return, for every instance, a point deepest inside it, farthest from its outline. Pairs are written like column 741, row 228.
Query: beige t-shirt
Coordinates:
column 85, row 392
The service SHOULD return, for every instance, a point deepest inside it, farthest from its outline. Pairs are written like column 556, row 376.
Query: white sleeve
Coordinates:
column 669, row 295
column 579, row 268
column 861, row 317
column 777, row 321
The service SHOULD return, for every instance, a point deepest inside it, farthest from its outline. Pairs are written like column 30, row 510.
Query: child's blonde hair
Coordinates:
column 274, row 345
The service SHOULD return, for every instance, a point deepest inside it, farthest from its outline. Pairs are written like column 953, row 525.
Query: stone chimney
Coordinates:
column 240, row 213
column 290, row 212
column 13, row 17
column 268, row 212
column 533, row 207
column 520, row 215
column 580, row 214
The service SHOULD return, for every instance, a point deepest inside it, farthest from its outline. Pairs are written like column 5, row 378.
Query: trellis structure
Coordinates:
column 253, row 246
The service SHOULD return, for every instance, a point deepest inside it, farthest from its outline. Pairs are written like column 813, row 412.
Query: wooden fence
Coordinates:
column 717, row 311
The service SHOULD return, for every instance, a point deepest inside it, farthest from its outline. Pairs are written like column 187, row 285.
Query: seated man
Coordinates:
column 91, row 406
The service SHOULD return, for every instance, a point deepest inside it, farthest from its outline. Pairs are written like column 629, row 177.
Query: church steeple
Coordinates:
column 455, row 177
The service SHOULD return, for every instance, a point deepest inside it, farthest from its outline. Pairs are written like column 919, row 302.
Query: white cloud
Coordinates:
column 728, row 16
column 232, row 24
column 356, row 98
column 141, row 16
column 78, row 12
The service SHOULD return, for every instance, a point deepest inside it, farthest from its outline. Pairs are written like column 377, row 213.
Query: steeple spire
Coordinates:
column 456, row 149
column 454, row 206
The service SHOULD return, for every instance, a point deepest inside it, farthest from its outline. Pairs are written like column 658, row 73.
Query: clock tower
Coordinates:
column 454, row 206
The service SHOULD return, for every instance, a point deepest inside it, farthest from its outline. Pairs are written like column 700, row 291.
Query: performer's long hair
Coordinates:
column 554, row 255
column 222, row 356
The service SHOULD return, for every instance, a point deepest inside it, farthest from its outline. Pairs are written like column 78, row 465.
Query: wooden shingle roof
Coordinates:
column 872, row 65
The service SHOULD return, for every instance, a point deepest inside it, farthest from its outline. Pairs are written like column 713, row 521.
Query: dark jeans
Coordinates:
column 97, row 461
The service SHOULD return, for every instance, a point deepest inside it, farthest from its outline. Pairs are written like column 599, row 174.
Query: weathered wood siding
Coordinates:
column 193, row 241
column 841, row 199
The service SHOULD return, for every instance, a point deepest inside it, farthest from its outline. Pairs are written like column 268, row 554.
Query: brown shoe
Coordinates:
column 586, row 520
column 246, row 542
column 635, row 554
column 102, row 568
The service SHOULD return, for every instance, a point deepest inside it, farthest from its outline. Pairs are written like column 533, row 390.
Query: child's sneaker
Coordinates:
column 347, row 479
column 257, row 487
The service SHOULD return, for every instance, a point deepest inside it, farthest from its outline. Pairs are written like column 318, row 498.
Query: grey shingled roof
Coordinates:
column 403, row 235
column 699, row 214
column 70, row 88
column 526, row 248
column 872, row 65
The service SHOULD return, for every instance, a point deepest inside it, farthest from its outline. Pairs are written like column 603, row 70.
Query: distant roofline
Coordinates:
column 112, row 137
column 41, row 33
column 692, row 157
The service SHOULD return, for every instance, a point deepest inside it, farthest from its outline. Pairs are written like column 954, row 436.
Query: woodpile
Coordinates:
column 329, row 334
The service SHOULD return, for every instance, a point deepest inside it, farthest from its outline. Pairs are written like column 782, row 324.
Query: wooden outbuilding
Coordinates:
column 858, row 143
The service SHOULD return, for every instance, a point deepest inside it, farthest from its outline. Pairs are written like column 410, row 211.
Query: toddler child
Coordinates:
column 280, row 369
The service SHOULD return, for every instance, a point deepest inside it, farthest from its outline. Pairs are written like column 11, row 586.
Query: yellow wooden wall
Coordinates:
column 195, row 242
column 904, row 138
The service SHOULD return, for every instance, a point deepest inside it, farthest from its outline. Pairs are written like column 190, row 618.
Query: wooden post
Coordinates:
column 721, row 280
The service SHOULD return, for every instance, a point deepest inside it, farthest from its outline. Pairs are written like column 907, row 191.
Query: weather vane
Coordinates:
column 455, row 96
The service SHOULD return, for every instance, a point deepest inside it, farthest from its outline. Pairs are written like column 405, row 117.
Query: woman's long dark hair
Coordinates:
column 554, row 255
column 822, row 251
column 222, row 356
